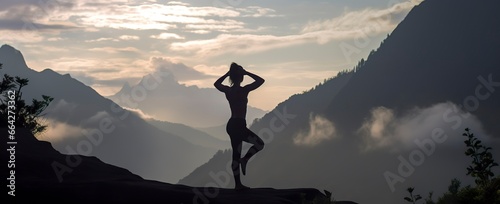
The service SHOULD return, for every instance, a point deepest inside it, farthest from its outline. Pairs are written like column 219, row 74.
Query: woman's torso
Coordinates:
column 238, row 99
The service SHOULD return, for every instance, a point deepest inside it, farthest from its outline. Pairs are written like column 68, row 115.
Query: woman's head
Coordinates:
column 235, row 73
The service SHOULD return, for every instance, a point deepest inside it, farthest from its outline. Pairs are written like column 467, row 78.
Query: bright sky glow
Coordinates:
column 293, row 44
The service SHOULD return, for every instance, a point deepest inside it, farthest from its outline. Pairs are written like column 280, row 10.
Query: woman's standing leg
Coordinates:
column 235, row 164
column 235, row 131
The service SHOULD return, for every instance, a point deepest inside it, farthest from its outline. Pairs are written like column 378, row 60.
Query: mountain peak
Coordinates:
column 15, row 62
column 126, row 88
column 7, row 46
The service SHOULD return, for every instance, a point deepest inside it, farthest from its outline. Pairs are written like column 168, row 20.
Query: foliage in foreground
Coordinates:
column 487, row 189
column 14, row 109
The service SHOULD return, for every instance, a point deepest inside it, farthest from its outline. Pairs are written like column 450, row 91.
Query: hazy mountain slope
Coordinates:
column 178, row 103
column 410, row 89
column 191, row 135
column 218, row 131
column 81, row 121
column 436, row 54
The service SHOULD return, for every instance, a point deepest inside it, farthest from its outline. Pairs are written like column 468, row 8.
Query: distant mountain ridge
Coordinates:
column 191, row 135
column 424, row 77
column 86, row 123
column 179, row 103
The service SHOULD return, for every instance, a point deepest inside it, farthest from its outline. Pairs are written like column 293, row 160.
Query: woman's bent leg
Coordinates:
column 257, row 145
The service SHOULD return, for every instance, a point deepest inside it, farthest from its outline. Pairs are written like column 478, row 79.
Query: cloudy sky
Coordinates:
column 293, row 44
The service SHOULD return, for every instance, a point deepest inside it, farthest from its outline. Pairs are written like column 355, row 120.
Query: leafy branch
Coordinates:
column 412, row 198
column 482, row 159
column 25, row 115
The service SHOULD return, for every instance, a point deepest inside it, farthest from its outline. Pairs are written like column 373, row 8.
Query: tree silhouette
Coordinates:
column 24, row 115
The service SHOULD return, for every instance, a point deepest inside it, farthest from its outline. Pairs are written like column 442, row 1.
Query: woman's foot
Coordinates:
column 243, row 163
column 241, row 187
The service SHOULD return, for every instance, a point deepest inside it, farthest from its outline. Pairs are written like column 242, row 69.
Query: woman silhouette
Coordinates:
column 237, row 96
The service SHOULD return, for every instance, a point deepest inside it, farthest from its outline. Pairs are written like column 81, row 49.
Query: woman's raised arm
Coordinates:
column 257, row 83
column 218, row 84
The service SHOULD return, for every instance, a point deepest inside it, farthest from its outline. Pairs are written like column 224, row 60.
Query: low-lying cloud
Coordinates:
column 320, row 129
column 386, row 129
column 58, row 131
column 139, row 113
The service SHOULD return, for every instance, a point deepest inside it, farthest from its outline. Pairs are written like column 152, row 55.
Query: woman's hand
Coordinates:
column 245, row 72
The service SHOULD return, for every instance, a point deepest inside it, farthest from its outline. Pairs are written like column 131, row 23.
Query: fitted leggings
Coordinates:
column 238, row 132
